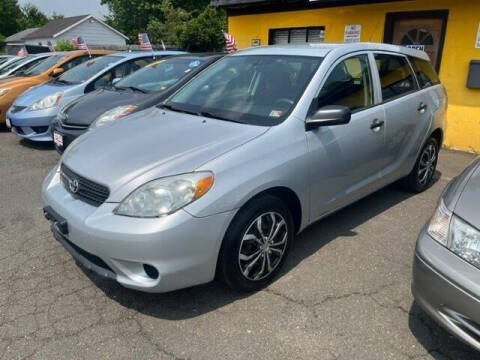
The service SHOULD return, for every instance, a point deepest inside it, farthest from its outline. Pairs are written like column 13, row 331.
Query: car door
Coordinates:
column 346, row 160
column 406, row 111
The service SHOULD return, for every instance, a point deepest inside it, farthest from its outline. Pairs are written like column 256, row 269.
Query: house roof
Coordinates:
column 20, row 36
column 57, row 27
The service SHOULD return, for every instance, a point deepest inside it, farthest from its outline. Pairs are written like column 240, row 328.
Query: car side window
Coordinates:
column 137, row 64
column 349, row 84
column 396, row 76
column 103, row 81
column 426, row 75
column 74, row 62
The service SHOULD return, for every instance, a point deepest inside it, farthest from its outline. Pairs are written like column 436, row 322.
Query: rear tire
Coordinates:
column 420, row 178
column 256, row 244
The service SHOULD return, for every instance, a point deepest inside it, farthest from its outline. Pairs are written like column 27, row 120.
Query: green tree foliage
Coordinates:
column 188, row 24
column 32, row 17
column 64, row 45
column 56, row 16
column 10, row 14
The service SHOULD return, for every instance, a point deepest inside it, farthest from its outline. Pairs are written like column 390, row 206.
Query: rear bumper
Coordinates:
column 444, row 287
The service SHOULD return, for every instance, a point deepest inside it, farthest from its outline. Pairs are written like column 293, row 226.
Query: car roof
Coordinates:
column 135, row 54
column 323, row 49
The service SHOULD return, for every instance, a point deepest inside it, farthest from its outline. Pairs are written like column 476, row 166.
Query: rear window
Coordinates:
column 396, row 76
column 426, row 75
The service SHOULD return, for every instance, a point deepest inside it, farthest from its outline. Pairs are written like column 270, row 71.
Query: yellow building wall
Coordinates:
column 463, row 117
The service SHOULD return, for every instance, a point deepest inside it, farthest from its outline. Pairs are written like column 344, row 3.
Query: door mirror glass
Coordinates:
column 328, row 116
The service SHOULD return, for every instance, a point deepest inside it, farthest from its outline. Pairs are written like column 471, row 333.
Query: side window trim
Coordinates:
column 332, row 67
column 417, row 86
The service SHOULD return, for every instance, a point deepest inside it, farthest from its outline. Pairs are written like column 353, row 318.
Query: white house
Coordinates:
column 94, row 31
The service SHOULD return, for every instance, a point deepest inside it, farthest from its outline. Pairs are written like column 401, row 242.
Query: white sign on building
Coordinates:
column 352, row 33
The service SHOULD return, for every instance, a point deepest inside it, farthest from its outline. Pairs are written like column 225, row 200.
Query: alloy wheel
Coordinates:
column 263, row 246
column 427, row 164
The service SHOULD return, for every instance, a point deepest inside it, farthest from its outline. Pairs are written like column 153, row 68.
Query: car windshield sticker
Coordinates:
column 276, row 113
column 194, row 63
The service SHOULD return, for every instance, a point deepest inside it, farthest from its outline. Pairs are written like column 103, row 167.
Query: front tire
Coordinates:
column 420, row 178
column 256, row 244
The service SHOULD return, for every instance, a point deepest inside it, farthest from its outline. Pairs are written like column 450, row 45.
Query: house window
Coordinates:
column 296, row 35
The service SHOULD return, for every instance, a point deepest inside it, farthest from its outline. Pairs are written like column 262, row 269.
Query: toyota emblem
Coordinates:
column 73, row 185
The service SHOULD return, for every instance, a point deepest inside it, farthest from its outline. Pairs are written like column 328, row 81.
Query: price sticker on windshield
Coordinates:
column 276, row 113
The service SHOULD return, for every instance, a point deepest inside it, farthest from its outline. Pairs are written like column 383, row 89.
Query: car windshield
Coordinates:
column 253, row 89
column 45, row 65
column 161, row 74
column 13, row 64
column 4, row 59
column 86, row 70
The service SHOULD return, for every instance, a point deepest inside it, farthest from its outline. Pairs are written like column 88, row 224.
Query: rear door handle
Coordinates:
column 376, row 124
column 422, row 107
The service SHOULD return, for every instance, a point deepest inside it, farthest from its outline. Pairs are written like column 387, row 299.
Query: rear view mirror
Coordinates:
column 116, row 80
column 57, row 71
column 328, row 116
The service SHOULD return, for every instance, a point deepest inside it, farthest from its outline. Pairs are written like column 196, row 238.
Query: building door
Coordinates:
column 423, row 30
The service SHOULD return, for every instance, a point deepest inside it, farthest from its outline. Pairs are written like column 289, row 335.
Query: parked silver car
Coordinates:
column 446, row 267
column 220, row 178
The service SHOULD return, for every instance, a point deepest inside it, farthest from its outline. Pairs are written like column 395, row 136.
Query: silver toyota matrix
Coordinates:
column 219, row 179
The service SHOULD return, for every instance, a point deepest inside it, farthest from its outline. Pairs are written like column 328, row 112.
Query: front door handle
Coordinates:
column 377, row 124
column 422, row 107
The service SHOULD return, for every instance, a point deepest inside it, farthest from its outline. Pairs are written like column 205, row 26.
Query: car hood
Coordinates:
column 467, row 204
column 89, row 107
column 151, row 144
column 39, row 92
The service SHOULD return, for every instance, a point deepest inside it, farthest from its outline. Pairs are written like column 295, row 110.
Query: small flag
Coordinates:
column 230, row 45
column 144, row 42
column 163, row 46
column 79, row 43
column 50, row 46
column 22, row 52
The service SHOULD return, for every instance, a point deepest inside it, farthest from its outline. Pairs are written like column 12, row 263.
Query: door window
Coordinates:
column 396, row 76
column 426, row 75
column 74, row 62
column 349, row 84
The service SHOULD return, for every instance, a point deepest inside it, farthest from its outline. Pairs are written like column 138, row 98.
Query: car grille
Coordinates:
column 40, row 129
column 83, row 189
column 15, row 108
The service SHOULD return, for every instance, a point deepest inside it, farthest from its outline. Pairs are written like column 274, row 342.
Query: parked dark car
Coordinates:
column 140, row 90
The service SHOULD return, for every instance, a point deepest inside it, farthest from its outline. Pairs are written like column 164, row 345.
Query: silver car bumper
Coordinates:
column 183, row 249
column 448, row 289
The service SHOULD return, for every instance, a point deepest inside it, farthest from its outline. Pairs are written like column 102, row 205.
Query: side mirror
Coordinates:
column 116, row 80
column 328, row 116
column 57, row 71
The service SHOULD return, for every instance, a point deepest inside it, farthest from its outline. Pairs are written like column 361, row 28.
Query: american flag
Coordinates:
column 79, row 43
column 22, row 52
column 50, row 46
column 144, row 42
column 230, row 45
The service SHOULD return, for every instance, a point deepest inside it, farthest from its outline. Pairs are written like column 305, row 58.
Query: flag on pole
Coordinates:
column 79, row 43
column 230, row 45
column 50, row 46
column 144, row 42
column 163, row 46
column 22, row 52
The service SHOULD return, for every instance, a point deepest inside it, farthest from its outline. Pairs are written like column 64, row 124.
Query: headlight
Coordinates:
column 3, row 91
column 465, row 241
column 166, row 195
column 47, row 102
column 113, row 114
column 439, row 224
column 455, row 234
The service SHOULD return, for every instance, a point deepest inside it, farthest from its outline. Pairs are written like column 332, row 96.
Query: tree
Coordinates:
column 56, row 16
column 204, row 32
column 169, row 30
column 32, row 17
column 10, row 15
column 64, row 45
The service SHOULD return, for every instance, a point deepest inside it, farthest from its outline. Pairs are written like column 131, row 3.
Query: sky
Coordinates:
column 69, row 7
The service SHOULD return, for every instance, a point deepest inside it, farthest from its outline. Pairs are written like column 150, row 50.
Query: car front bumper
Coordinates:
column 183, row 249
column 448, row 289
column 32, row 125
column 68, row 135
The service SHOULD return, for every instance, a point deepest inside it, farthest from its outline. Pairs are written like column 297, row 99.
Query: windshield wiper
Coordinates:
column 130, row 87
column 173, row 108
column 214, row 116
column 60, row 81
